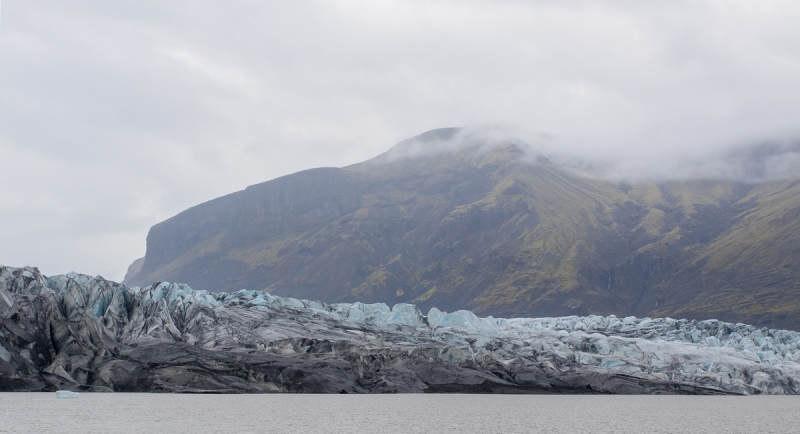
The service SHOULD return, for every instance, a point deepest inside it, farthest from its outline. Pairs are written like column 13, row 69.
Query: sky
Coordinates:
column 117, row 115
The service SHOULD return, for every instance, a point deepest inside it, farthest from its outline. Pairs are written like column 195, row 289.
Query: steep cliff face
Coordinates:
column 449, row 221
column 220, row 243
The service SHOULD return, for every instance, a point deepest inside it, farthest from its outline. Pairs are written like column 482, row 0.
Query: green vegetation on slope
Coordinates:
column 485, row 228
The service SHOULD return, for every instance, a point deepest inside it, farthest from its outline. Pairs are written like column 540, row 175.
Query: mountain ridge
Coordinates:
column 484, row 224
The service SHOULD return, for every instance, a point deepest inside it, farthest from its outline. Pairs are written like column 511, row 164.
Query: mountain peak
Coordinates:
column 472, row 144
column 466, row 219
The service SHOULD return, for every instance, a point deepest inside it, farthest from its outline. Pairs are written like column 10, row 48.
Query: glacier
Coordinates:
column 81, row 333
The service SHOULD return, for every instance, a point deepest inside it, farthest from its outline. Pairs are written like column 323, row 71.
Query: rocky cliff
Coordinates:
column 459, row 223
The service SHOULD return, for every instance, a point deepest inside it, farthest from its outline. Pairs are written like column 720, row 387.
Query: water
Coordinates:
column 355, row 414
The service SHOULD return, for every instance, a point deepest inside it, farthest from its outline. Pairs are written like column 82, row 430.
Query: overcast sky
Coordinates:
column 115, row 115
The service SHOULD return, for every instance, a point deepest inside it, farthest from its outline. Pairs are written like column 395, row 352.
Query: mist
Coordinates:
column 771, row 161
column 115, row 116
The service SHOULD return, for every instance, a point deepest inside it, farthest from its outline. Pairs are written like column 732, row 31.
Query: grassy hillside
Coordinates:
column 484, row 226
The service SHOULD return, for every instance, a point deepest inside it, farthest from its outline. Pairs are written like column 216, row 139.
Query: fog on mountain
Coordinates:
column 460, row 219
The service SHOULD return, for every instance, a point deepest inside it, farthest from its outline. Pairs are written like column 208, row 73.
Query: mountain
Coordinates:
column 78, row 332
column 449, row 220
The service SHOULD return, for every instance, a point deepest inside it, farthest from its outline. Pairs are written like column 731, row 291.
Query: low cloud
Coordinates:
column 747, row 164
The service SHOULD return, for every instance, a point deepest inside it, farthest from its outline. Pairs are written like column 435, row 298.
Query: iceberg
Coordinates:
column 86, row 333
column 66, row 394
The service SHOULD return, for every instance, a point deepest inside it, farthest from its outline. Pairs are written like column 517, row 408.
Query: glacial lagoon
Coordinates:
column 402, row 413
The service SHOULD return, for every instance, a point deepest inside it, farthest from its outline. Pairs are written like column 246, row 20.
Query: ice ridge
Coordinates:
column 86, row 333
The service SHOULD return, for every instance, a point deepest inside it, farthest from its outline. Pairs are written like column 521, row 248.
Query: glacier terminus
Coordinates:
column 81, row 333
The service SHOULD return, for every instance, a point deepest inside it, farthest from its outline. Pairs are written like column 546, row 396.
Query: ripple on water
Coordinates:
column 356, row 414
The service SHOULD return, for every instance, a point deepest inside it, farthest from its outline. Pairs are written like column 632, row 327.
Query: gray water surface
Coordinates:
column 172, row 414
